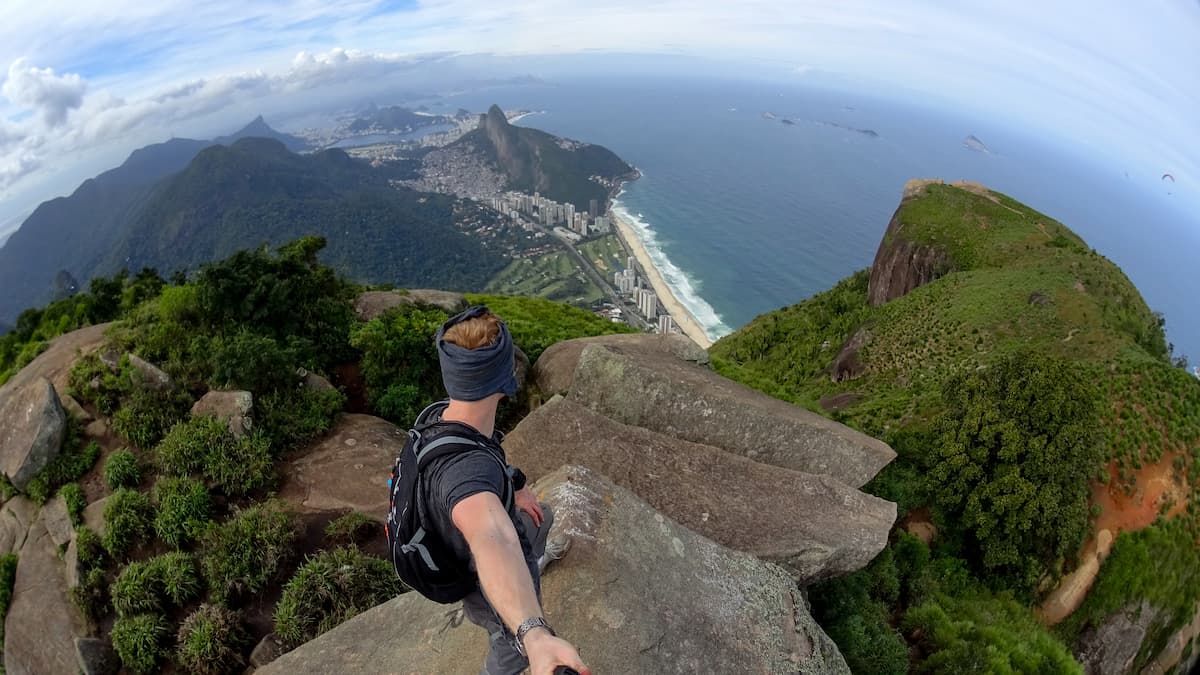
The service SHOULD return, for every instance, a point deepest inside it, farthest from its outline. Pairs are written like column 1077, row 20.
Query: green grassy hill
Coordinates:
column 974, row 376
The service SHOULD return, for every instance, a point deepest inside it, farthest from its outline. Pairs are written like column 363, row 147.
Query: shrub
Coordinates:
column 76, row 501
column 292, row 417
column 240, row 466
column 183, row 449
column 184, row 510
column 147, row 416
column 205, row 445
column 330, row 588
column 211, row 640
column 153, row 585
column 91, row 595
column 139, row 641
column 127, row 516
column 109, row 387
column 75, row 460
column 352, row 528
column 121, row 470
column 245, row 553
column 137, row 590
column 400, row 362
column 253, row 362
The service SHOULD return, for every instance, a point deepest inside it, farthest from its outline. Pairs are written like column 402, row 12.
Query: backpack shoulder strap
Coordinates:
column 451, row 443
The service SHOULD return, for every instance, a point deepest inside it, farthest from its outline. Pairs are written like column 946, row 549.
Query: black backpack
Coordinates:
column 422, row 560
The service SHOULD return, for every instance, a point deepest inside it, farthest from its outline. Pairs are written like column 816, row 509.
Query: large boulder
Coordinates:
column 555, row 368
column 93, row 516
column 16, row 517
column 666, row 394
column 231, row 407
column 814, row 526
column 42, row 622
column 1110, row 648
column 348, row 468
column 32, row 425
column 636, row 593
column 371, row 304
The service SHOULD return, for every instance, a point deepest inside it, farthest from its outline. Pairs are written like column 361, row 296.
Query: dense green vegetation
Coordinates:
column 1005, row 386
column 956, row 624
column 330, row 588
column 1159, row 565
column 192, row 536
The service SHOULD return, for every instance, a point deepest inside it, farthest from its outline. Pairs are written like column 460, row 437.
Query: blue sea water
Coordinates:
column 746, row 214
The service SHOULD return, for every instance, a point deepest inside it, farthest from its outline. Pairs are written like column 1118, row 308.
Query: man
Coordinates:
column 464, row 500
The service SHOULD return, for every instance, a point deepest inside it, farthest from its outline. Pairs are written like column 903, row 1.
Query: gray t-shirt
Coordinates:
column 451, row 479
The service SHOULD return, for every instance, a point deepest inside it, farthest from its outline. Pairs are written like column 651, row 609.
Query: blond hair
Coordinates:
column 476, row 333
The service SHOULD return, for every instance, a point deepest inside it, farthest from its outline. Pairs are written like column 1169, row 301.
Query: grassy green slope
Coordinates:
column 1023, row 280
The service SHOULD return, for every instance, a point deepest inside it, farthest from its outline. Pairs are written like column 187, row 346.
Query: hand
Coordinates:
column 528, row 503
column 547, row 652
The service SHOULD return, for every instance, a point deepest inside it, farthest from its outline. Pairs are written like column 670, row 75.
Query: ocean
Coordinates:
column 745, row 213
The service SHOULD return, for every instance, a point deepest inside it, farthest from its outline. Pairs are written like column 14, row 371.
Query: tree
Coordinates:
column 1016, row 448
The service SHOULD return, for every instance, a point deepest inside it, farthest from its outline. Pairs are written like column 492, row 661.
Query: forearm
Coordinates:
column 503, row 575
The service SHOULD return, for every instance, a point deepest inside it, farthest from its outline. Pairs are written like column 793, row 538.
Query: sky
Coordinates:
column 84, row 82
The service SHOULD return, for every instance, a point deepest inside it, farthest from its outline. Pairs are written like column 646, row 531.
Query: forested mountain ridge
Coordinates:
column 255, row 192
column 1035, row 406
column 74, row 233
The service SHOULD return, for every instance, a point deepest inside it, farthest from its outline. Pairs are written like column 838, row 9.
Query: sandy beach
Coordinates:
column 683, row 318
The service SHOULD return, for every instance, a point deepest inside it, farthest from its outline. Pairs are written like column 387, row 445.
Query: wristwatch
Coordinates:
column 528, row 625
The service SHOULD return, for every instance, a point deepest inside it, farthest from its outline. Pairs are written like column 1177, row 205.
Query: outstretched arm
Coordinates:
column 505, row 579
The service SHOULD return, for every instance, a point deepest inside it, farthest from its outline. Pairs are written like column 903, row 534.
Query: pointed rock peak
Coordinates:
column 496, row 116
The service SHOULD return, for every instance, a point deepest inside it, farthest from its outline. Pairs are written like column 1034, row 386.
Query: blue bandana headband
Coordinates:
column 475, row 374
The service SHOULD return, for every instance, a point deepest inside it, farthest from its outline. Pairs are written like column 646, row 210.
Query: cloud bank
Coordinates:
column 84, row 75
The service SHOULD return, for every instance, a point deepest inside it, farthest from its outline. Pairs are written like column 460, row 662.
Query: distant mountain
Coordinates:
column 255, row 192
column 260, row 129
column 535, row 161
column 394, row 118
column 75, row 233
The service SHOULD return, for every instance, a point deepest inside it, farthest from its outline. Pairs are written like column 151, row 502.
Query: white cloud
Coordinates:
column 39, row 88
column 134, row 70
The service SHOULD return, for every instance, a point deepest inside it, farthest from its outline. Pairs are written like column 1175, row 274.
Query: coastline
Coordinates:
column 683, row 318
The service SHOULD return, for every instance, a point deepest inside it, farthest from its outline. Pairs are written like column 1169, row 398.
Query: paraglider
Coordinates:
column 1167, row 176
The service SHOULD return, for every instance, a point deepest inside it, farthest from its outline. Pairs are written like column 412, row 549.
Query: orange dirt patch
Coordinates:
column 1155, row 486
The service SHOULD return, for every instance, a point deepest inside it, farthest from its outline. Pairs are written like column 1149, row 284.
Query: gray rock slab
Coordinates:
column 74, row 409
column 42, row 622
column 16, row 517
column 93, row 516
column 232, row 407
column 32, row 425
column 636, row 593
column 149, row 376
column 555, row 368
column 347, row 469
column 666, row 394
column 814, row 526
column 96, row 657
column 55, row 363
column 58, row 521
column 1110, row 648
column 267, row 650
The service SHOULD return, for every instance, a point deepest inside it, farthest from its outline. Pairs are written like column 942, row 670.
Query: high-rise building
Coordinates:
column 593, row 209
column 648, row 304
column 666, row 325
column 629, row 263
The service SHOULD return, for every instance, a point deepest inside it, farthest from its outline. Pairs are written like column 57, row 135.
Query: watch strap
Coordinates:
column 528, row 625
